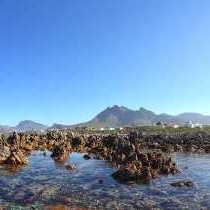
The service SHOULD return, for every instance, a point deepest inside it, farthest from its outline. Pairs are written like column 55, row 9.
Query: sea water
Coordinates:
column 45, row 184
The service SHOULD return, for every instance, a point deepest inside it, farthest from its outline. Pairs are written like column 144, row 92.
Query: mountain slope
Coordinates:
column 194, row 117
column 121, row 116
column 117, row 116
column 29, row 125
column 58, row 126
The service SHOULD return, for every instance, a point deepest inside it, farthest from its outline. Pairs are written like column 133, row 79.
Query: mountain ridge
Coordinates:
column 117, row 116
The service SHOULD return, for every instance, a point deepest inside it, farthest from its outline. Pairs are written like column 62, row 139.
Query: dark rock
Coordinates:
column 71, row 167
column 124, row 175
column 87, row 157
column 186, row 183
column 101, row 181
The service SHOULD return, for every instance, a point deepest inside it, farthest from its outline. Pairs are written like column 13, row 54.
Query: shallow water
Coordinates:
column 43, row 183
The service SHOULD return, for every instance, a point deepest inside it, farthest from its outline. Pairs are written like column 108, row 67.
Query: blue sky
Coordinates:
column 65, row 61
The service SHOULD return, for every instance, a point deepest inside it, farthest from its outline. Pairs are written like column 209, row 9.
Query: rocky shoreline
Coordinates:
column 136, row 157
column 126, row 152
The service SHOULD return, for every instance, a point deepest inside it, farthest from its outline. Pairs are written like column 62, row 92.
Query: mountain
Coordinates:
column 118, row 116
column 58, row 126
column 30, row 125
column 5, row 128
column 194, row 117
column 168, row 118
column 121, row 116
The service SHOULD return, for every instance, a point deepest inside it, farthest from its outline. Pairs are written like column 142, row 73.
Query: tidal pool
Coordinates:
column 45, row 184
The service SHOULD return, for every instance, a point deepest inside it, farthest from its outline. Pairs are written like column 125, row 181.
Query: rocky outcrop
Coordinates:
column 4, row 153
column 134, row 158
column 60, row 152
column 148, row 167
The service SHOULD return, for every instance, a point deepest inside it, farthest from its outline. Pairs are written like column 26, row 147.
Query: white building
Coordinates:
column 190, row 124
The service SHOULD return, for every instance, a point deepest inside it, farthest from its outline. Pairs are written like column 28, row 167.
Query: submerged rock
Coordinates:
column 87, row 157
column 124, row 174
column 186, row 183
column 71, row 167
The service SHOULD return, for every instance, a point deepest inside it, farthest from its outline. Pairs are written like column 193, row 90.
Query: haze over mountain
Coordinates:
column 117, row 116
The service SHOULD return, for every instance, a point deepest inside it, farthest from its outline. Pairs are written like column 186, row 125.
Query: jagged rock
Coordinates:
column 125, row 152
column 27, row 147
column 76, row 141
column 4, row 153
column 60, row 153
column 16, row 158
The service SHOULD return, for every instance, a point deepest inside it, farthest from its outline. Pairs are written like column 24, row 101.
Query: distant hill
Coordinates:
column 26, row 125
column 194, row 117
column 58, row 126
column 116, row 116
column 5, row 128
column 30, row 125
